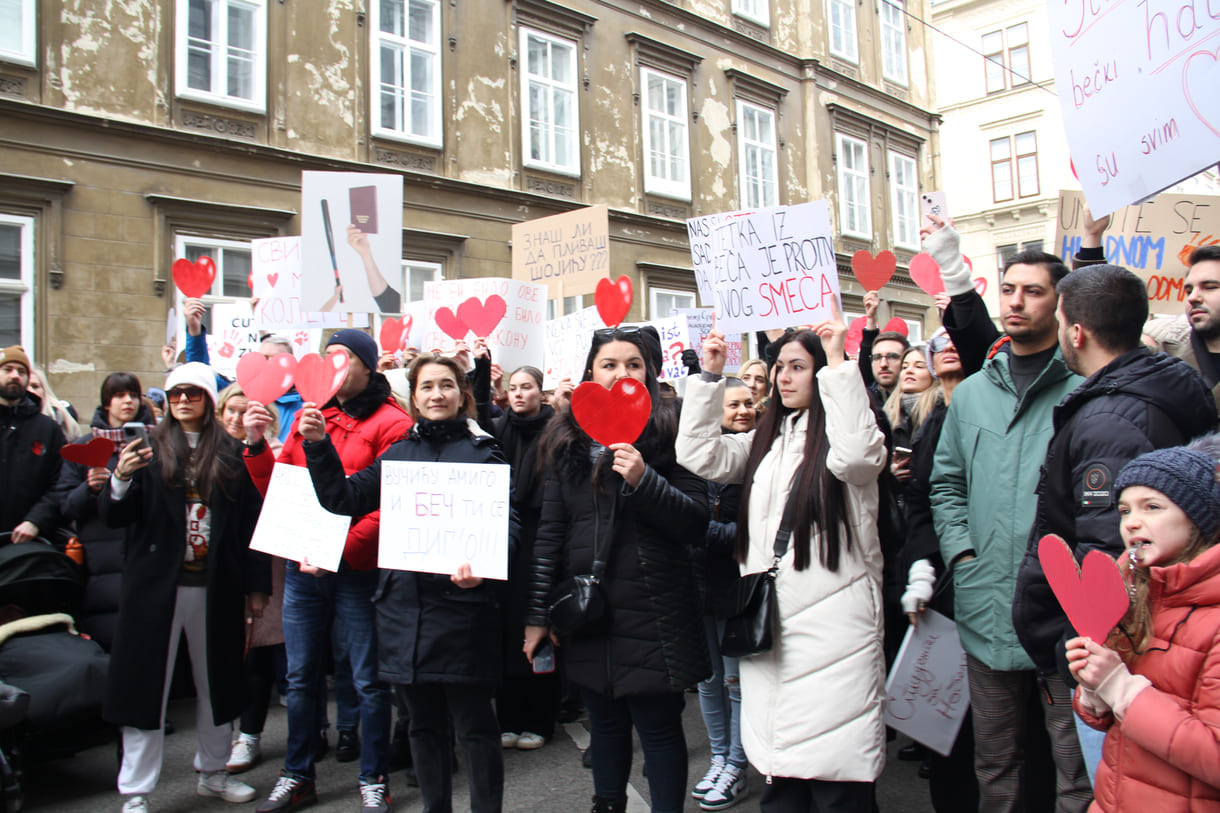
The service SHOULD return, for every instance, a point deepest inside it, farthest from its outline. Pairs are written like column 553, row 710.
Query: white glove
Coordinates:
column 919, row 586
column 945, row 246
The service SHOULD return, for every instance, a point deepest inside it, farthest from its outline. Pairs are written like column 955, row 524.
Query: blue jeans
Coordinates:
column 311, row 603
column 720, row 700
column 657, row 719
column 1090, row 747
column 347, row 702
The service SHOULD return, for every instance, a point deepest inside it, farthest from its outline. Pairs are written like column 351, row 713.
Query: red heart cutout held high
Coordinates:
column 926, row 273
column 613, row 300
column 615, row 415
column 264, row 379
column 482, row 317
column 1094, row 596
column 451, row 325
column 318, row 378
column 94, row 454
column 855, row 335
column 873, row 272
column 394, row 332
column 898, row 325
column 194, row 279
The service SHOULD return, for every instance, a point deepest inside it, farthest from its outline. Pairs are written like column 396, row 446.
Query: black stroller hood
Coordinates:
column 39, row 579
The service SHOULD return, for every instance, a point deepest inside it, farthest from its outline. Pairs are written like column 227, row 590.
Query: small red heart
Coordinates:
column 873, row 272
column 201, row 511
column 1093, row 596
column 272, row 279
column 613, row 300
column 615, row 415
column 451, row 325
column 898, row 325
column 482, row 317
column 926, row 274
column 194, row 279
column 392, row 331
column 264, row 379
column 855, row 335
column 94, row 454
column 318, row 378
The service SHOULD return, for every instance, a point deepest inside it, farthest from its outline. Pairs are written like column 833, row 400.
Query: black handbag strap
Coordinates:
column 601, row 536
column 785, row 531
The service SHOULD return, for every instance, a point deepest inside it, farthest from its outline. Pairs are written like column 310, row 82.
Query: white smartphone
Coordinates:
column 933, row 203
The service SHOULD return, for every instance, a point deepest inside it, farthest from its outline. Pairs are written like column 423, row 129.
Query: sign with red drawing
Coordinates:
column 507, row 313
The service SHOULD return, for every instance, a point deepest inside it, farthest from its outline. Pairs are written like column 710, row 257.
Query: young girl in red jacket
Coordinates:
column 1155, row 684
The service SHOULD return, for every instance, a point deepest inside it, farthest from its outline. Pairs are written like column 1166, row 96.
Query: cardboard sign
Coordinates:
column 1153, row 239
column 567, row 253
column 567, row 341
column 516, row 339
column 1138, row 86
column 292, row 525
column 276, row 269
column 437, row 516
column 698, row 325
column 928, row 691
column 767, row 268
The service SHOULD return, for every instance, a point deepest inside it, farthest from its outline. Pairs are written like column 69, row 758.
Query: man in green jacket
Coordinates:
column 986, row 469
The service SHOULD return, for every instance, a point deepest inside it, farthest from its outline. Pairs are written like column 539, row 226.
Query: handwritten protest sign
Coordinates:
column 568, row 253
column 1153, row 239
column 276, row 270
column 1138, row 87
column 292, row 525
column 675, row 339
column 699, row 324
column 436, row 516
column 767, row 268
column 515, row 338
column 567, row 341
column 928, row 693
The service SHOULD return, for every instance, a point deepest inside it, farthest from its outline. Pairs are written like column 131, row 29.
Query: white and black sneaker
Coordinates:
column 730, row 788
column 709, row 779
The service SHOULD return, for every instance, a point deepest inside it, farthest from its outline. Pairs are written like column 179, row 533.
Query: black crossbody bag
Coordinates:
column 750, row 628
column 580, row 600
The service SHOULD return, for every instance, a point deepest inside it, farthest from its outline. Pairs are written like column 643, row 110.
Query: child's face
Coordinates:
column 1152, row 526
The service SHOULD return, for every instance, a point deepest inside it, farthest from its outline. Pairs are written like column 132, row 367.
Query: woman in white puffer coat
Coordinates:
column 811, row 707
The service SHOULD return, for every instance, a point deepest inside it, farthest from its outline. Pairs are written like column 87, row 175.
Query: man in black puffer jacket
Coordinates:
column 29, row 454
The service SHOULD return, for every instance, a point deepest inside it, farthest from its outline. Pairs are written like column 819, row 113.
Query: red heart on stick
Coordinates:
column 94, row 454
column 264, row 379
column 898, row 325
column 855, row 335
column 194, row 279
column 873, row 272
column 613, row 300
column 926, row 274
column 615, row 415
column 1093, row 596
column 482, row 317
column 318, row 378
column 394, row 332
column 451, row 325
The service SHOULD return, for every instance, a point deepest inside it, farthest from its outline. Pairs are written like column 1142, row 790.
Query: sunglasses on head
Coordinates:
column 193, row 395
column 939, row 343
column 616, row 332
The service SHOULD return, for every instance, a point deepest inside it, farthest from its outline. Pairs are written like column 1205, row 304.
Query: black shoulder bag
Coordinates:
column 579, row 600
column 749, row 629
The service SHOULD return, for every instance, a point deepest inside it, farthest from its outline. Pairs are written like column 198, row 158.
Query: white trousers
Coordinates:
column 142, row 749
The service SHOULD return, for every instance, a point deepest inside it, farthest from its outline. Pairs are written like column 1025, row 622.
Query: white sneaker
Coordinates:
column 219, row 784
column 508, row 739
column 135, row 804
column 709, row 779
column 529, row 741
column 730, row 788
column 246, row 753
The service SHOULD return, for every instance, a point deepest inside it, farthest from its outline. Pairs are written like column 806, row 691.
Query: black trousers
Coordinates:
column 431, row 705
column 785, row 795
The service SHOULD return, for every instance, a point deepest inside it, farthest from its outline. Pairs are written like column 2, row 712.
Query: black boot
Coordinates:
column 603, row 805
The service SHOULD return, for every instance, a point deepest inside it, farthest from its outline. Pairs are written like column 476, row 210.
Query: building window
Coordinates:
column 904, row 201
column 757, row 155
column 407, row 74
column 233, row 267
column 757, row 11
column 843, row 29
column 548, row 86
column 571, row 304
column 1006, row 58
column 416, row 274
column 17, row 31
column 662, row 301
column 17, row 282
column 1002, row 176
column 893, row 42
column 854, row 213
column 221, row 51
column 1007, row 251
column 666, row 146
column 1027, row 164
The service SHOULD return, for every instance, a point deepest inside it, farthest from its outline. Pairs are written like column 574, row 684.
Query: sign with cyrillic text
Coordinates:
column 568, row 253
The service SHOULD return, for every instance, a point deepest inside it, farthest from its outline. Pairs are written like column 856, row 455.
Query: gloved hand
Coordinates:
column 945, row 246
column 919, row 587
column 691, row 360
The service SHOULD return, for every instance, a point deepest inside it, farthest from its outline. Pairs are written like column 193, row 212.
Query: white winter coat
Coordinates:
column 811, row 707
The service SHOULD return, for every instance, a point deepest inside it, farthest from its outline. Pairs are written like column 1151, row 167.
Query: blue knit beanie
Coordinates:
column 360, row 343
column 1184, row 474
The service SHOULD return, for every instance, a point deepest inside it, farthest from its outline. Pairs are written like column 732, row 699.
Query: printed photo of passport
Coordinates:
column 363, row 202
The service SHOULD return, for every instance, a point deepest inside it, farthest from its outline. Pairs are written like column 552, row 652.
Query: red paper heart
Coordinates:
column 272, row 279
column 898, row 325
column 194, row 279
column 451, row 325
column 1094, row 596
column 926, row 274
column 318, row 378
column 94, row 454
column 482, row 317
column 613, row 300
column 615, row 415
column 855, row 335
column 873, row 272
column 394, row 332
column 264, row 379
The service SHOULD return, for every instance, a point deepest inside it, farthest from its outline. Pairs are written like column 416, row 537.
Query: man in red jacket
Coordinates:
column 363, row 419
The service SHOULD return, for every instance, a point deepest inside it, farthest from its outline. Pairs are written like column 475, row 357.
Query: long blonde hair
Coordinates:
column 53, row 408
column 923, row 405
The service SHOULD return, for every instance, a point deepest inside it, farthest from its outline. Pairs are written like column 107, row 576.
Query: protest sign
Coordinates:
column 292, row 525
column 928, row 693
column 766, row 268
column 1138, row 89
column 437, row 516
column 567, row 253
column 276, row 270
column 1153, row 239
column 567, row 341
column 699, row 324
column 233, row 333
column 509, row 314
column 675, row 338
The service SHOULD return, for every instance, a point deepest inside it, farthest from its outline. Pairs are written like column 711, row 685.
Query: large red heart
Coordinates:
column 394, row 332
column 318, row 378
column 613, row 300
column 451, row 325
column 264, row 379
column 94, row 454
column 482, row 317
column 855, row 335
column 194, row 279
column 873, row 272
column 926, row 274
column 1093, row 596
column 615, row 415
column 898, row 325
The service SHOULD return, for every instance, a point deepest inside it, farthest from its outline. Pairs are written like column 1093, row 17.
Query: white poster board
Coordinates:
column 675, row 339
column 567, row 340
column 928, row 691
column 233, row 334
column 516, row 340
column 766, row 268
column 292, row 525
column 699, row 324
column 437, row 516
column 276, row 269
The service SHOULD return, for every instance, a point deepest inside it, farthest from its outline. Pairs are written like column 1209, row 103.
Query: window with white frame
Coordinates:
column 663, row 301
column 904, row 201
column 843, row 29
column 666, row 145
column 893, row 42
column 17, row 281
column 222, row 52
column 233, row 267
column 855, row 217
column 407, row 69
column 18, row 38
column 416, row 274
column 1006, row 57
column 757, row 155
column 548, row 90
column 1014, row 167
column 570, row 304
column 757, row 11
